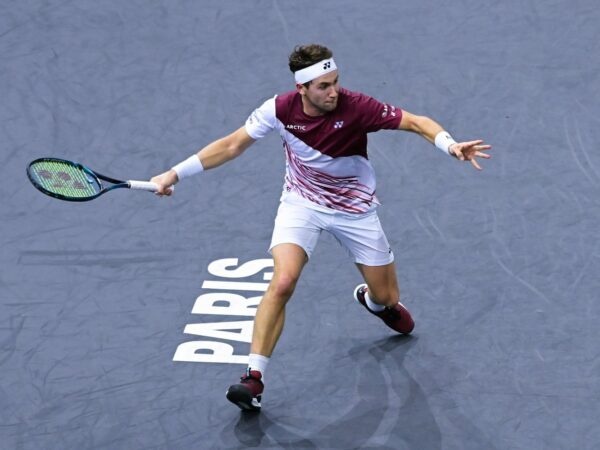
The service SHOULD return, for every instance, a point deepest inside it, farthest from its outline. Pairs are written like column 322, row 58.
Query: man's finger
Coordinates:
column 475, row 164
column 482, row 155
column 472, row 143
column 164, row 191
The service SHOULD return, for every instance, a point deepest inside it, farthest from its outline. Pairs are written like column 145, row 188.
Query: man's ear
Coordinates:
column 300, row 88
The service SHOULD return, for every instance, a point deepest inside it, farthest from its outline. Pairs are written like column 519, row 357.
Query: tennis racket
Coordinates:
column 74, row 182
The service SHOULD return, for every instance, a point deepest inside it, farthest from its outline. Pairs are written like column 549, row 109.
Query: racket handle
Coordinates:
column 143, row 185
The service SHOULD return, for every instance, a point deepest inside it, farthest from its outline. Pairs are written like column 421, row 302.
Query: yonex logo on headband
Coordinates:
column 315, row 71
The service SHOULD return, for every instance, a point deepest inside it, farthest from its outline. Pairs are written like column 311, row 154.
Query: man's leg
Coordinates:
column 382, row 283
column 381, row 297
column 289, row 259
column 365, row 239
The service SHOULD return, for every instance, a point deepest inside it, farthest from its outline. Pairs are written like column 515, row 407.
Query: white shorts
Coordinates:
column 360, row 234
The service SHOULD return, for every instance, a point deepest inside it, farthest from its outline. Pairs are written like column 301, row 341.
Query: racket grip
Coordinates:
column 143, row 185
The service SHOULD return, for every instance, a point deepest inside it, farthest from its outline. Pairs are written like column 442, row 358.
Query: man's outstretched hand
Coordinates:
column 470, row 151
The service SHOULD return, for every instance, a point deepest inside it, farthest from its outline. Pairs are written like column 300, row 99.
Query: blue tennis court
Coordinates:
column 125, row 319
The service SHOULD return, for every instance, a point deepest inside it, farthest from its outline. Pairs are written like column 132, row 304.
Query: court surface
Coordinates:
column 116, row 313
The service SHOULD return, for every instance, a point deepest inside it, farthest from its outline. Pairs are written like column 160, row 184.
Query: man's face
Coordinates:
column 322, row 93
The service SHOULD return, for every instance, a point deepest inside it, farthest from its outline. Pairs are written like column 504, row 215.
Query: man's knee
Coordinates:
column 282, row 286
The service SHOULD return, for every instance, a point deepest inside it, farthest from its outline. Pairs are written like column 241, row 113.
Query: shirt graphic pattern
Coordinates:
column 326, row 156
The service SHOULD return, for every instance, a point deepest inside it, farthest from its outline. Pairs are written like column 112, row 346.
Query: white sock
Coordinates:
column 371, row 305
column 258, row 362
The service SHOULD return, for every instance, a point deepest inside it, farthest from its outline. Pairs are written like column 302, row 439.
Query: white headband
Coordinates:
column 315, row 71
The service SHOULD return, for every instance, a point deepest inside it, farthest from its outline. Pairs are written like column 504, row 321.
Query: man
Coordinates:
column 329, row 185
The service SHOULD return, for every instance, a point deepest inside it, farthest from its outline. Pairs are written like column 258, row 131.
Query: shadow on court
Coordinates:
column 388, row 409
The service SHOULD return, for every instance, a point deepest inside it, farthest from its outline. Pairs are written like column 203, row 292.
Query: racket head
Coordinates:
column 63, row 179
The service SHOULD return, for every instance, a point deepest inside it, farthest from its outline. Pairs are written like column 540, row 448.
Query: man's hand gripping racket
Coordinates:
column 165, row 182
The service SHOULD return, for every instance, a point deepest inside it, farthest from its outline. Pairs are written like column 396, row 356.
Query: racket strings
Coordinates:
column 65, row 179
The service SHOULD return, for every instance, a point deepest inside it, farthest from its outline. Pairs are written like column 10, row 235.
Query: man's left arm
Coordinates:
column 434, row 133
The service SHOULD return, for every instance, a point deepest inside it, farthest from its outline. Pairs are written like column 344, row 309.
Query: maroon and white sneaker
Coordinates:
column 248, row 393
column 396, row 317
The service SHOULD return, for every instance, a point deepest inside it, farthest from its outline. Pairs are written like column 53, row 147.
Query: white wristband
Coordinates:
column 443, row 141
column 188, row 167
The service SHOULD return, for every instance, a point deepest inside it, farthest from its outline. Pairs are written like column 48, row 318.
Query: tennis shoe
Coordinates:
column 247, row 394
column 396, row 317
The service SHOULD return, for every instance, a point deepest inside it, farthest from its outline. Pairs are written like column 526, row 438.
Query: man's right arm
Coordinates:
column 225, row 149
column 211, row 156
column 430, row 130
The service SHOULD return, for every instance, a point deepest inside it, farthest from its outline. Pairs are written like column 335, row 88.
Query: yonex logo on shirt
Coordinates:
column 338, row 124
column 385, row 111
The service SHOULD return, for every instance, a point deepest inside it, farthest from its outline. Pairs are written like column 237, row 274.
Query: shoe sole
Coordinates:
column 243, row 399
column 356, row 292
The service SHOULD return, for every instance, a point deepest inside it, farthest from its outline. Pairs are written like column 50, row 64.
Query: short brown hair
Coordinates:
column 306, row 55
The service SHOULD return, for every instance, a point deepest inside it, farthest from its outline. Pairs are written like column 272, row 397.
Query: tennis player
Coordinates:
column 329, row 185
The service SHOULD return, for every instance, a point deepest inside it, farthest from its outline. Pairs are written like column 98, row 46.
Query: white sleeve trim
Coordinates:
column 262, row 120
